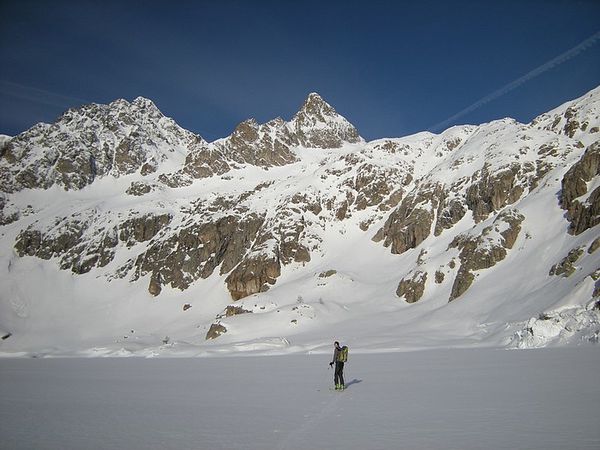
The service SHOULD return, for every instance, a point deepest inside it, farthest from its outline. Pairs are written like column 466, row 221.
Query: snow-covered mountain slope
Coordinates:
column 122, row 233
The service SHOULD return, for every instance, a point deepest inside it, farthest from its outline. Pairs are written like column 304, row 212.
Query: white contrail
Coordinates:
column 560, row 59
column 36, row 95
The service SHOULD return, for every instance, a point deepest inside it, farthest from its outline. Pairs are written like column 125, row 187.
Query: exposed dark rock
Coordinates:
column 342, row 211
column 307, row 203
column 492, row 191
column 8, row 213
column 82, row 243
column 155, row 288
column 66, row 243
column 196, row 250
column 90, row 142
column 290, row 247
column 203, row 161
column 566, row 267
column 143, row 228
column 215, row 330
column 138, row 188
column 574, row 182
column 175, row 179
column 410, row 223
column 412, row 288
column 148, row 168
column 439, row 276
column 261, row 145
column 463, row 281
column 233, row 310
column 582, row 215
column 450, row 212
column 292, row 230
column 327, row 273
column 373, row 184
column 253, row 275
column 485, row 250
column 318, row 125
column 186, row 306
column 271, row 144
column 596, row 277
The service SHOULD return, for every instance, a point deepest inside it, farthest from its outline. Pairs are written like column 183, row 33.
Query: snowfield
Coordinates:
column 440, row 399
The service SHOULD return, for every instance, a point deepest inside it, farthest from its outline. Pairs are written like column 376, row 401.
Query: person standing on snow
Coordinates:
column 339, row 357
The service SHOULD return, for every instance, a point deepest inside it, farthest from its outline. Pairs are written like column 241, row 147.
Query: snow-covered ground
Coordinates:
column 439, row 399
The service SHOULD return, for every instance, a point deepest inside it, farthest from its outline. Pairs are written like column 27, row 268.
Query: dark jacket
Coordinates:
column 336, row 354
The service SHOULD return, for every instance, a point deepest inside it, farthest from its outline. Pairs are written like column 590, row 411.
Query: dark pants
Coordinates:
column 338, row 377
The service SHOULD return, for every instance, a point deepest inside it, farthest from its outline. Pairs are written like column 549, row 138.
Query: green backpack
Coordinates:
column 343, row 354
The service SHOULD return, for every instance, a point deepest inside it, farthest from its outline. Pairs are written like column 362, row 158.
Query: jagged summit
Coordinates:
column 315, row 125
column 144, row 102
column 124, row 137
column 319, row 125
column 315, row 105
column 93, row 141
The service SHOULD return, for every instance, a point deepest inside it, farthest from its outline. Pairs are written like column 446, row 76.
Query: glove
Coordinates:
column 330, row 364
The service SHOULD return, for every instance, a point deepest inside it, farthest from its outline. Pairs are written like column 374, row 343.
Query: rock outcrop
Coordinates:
column 215, row 330
column 265, row 145
column 195, row 251
column 318, row 125
column 585, row 213
column 84, row 242
column 253, row 275
column 478, row 252
column 577, row 119
column 410, row 223
column 492, row 191
column 566, row 267
column 412, row 288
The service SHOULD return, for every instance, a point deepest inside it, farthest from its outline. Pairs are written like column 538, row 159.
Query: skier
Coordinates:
column 340, row 355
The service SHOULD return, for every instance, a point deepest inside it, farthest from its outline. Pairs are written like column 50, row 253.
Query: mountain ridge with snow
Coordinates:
column 141, row 238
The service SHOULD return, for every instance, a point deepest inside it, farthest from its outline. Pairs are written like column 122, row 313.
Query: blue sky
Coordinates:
column 392, row 68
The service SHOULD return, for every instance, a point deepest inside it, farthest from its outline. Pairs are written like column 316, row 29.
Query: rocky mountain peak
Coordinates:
column 314, row 105
column 142, row 102
column 247, row 129
column 317, row 124
column 92, row 141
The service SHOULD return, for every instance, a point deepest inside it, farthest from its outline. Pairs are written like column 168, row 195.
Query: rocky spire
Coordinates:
column 315, row 106
column 317, row 124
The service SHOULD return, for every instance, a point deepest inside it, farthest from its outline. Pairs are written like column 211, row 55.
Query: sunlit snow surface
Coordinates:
column 439, row 399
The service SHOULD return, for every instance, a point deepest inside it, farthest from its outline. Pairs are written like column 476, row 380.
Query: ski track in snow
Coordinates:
column 299, row 434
